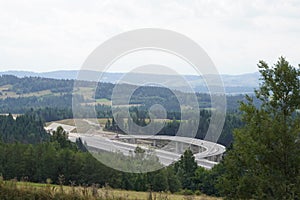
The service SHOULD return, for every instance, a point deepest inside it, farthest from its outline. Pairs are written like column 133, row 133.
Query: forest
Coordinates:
column 28, row 93
column 262, row 139
column 57, row 105
column 54, row 157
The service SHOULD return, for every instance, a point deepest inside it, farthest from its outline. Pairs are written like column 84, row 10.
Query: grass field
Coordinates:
column 5, row 91
column 94, row 192
column 104, row 101
column 87, row 92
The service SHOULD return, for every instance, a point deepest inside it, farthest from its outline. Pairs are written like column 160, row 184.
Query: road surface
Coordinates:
column 107, row 141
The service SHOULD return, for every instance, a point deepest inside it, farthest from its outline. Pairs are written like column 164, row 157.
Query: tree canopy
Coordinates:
column 264, row 162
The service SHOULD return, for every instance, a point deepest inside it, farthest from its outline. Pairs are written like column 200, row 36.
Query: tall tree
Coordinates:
column 186, row 168
column 265, row 160
column 61, row 136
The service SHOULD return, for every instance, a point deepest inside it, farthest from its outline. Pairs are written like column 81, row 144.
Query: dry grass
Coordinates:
column 5, row 93
column 102, row 121
column 5, row 90
column 109, row 193
column 86, row 92
column 71, row 122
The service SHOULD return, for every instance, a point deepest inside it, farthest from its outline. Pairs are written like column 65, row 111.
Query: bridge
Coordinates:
column 168, row 149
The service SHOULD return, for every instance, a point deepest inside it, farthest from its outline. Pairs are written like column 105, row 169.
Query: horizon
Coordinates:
column 116, row 72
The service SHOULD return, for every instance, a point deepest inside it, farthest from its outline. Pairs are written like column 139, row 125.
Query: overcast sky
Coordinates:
column 56, row 34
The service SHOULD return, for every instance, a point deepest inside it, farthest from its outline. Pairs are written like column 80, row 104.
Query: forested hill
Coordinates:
column 51, row 99
column 34, row 84
column 234, row 84
column 18, row 95
column 54, row 159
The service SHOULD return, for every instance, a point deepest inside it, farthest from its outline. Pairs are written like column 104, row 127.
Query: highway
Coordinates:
column 108, row 141
column 165, row 157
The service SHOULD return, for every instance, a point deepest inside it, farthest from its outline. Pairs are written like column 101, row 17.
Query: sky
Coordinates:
column 59, row 35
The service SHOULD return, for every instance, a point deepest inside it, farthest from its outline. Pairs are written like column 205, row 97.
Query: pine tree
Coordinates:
column 186, row 168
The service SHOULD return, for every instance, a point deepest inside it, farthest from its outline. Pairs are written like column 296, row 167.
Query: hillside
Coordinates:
column 20, row 94
column 234, row 84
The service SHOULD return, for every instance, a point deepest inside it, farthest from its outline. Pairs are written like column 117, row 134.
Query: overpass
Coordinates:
column 207, row 154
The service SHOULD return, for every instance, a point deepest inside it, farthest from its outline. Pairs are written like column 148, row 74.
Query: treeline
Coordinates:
column 54, row 157
column 28, row 152
column 49, row 114
column 62, row 94
column 141, row 118
column 36, row 84
column 61, row 161
column 52, row 160
column 25, row 129
column 38, row 117
column 21, row 105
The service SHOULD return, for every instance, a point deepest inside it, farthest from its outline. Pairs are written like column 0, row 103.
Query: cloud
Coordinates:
column 59, row 34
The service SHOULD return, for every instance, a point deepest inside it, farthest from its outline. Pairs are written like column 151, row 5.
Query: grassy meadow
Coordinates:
column 26, row 190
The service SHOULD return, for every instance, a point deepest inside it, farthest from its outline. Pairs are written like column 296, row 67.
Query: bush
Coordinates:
column 186, row 192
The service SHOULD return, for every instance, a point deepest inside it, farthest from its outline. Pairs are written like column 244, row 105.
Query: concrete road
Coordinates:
column 165, row 157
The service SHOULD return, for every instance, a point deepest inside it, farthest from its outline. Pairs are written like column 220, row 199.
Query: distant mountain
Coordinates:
column 234, row 84
column 62, row 74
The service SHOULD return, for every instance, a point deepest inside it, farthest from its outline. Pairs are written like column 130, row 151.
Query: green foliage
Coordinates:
column 265, row 160
column 173, row 180
column 61, row 95
column 25, row 129
column 54, row 160
column 50, row 160
column 112, row 126
column 187, row 192
column 186, row 168
column 80, row 145
column 23, row 104
column 171, row 127
column 48, row 114
column 207, row 180
column 35, row 84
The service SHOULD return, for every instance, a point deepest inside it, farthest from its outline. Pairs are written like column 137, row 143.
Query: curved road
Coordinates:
column 165, row 157
column 107, row 141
